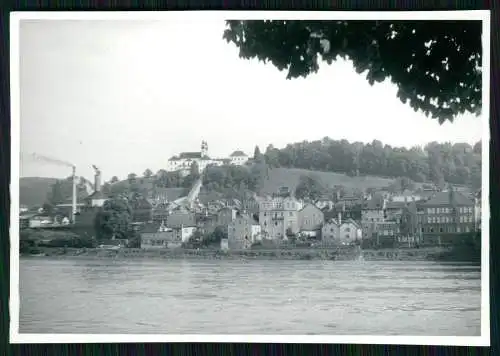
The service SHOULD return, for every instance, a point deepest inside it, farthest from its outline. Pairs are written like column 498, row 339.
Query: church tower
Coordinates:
column 204, row 148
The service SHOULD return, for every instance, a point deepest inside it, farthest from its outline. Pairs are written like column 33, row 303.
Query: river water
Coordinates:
column 248, row 297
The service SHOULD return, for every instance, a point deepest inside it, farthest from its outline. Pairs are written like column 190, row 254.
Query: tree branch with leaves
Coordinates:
column 436, row 65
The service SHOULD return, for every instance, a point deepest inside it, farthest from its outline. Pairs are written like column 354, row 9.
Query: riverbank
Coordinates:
column 339, row 254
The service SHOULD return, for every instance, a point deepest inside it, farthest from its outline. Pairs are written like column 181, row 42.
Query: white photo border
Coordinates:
column 17, row 17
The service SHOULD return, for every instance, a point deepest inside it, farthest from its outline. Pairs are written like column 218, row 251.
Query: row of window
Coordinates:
column 269, row 206
column 450, row 228
column 462, row 210
column 448, row 219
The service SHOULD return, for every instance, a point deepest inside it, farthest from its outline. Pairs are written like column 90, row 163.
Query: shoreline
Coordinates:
column 346, row 254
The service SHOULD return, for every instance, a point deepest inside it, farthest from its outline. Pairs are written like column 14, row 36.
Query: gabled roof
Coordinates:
column 449, row 198
column 238, row 154
column 190, row 155
column 309, row 205
column 395, row 205
column 150, row 227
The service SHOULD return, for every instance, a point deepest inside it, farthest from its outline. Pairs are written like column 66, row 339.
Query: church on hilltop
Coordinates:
column 182, row 163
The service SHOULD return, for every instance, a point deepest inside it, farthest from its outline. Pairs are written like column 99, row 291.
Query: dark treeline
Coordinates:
column 458, row 163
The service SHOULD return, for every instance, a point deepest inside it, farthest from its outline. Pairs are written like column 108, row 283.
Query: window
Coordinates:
column 275, row 223
column 440, row 229
column 290, row 213
column 429, row 211
column 458, row 229
column 265, row 214
column 431, row 229
column 467, row 229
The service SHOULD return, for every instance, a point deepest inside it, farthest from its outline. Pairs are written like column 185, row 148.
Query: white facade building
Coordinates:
column 184, row 161
column 238, row 158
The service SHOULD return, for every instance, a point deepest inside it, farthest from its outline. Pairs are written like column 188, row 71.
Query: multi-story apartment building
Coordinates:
column 446, row 215
column 372, row 215
column 279, row 215
column 240, row 232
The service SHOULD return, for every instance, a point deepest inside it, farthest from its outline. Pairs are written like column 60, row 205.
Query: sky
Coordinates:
column 128, row 95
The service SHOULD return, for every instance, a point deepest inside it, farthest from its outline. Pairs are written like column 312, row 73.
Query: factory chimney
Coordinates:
column 73, row 200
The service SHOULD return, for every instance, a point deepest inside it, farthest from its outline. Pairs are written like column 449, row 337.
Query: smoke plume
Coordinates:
column 45, row 159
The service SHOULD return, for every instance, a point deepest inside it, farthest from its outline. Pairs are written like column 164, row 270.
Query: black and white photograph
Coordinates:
column 250, row 177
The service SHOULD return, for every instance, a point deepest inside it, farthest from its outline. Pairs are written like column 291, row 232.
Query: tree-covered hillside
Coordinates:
column 458, row 163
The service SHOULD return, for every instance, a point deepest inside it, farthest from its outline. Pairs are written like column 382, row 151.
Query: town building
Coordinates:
column 372, row 214
column 406, row 196
column 183, row 162
column 155, row 235
column 325, row 202
column 256, row 231
column 411, row 227
column 387, row 233
column 159, row 214
column 226, row 215
column 97, row 198
column 206, row 223
column 446, row 215
column 394, row 210
column 338, row 231
column 348, row 199
column 330, row 231
column 240, row 232
column 160, row 236
column 349, row 232
column 278, row 216
column 311, row 219
column 181, row 217
column 238, row 158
